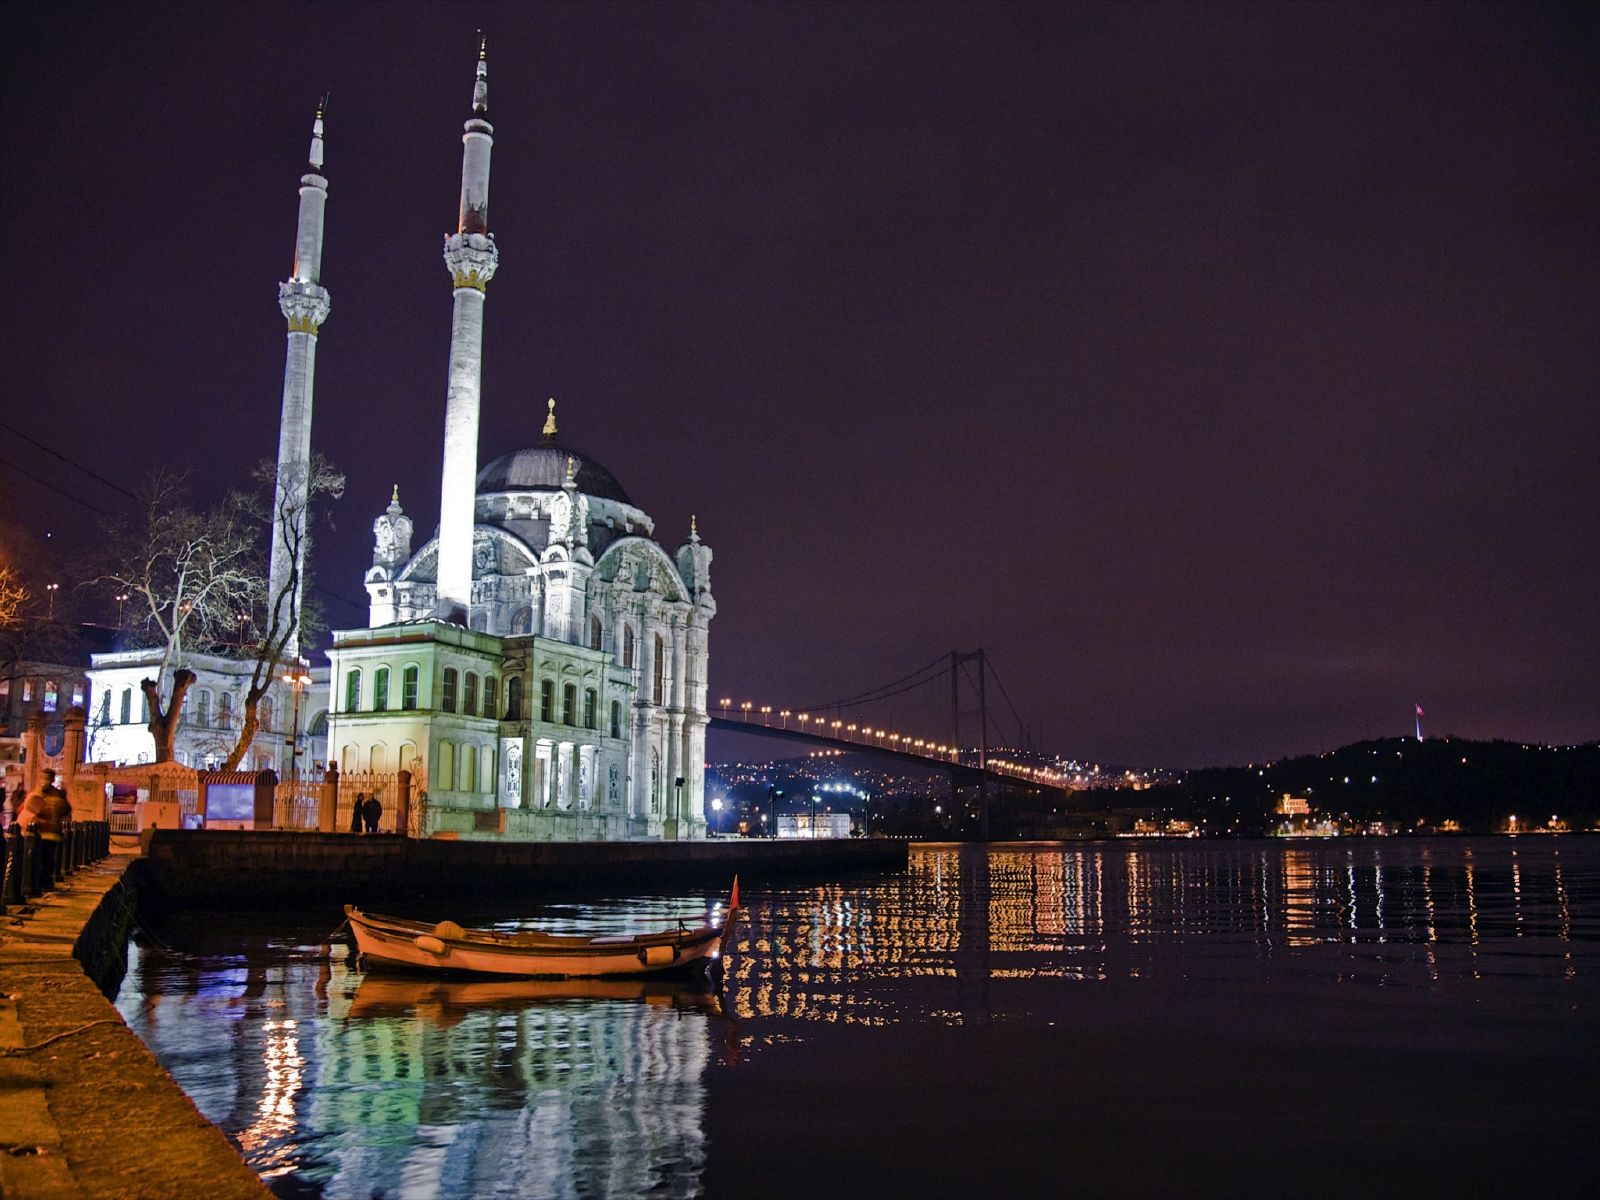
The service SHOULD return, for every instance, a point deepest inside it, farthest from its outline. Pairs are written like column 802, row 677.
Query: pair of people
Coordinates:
column 47, row 810
column 367, row 810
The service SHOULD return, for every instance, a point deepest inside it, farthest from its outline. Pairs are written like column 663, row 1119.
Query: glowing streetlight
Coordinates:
column 296, row 678
column 785, row 715
column 716, row 814
column 766, row 714
column 52, row 588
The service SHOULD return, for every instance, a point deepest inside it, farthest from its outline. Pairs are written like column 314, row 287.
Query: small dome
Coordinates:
column 544, row 468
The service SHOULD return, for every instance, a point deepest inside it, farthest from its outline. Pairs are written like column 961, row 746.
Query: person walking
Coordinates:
column 50, row 810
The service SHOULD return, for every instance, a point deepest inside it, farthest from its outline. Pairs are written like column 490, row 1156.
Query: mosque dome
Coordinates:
column 544, row 468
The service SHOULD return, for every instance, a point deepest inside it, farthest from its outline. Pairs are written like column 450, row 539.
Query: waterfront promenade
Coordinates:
column 85, row 1109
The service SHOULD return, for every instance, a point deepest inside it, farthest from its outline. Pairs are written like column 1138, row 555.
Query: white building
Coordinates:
column 541, row 662
column 213, row 710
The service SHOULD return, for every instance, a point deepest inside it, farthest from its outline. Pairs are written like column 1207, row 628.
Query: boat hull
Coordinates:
column 413, row 946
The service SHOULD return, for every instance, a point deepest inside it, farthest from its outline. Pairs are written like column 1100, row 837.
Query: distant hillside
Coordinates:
column 1477, row 785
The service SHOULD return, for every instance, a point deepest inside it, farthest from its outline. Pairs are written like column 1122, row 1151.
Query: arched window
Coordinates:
column 447, row 699
column 487, row 773
column 408, row 687
column 469, row 694
column 105, row 708
column 264, row 713
column 144, row 708
column 225, row 710
column 408, row 757
column 127, row 705
column 616, row 718
column 447, row 766
column 569, row 704
column 514, row 698
column 522, row 620
column 547, row 700
column 348, row 757
column 352, row 690
column 627, row 646
column 491, row 697
column 202, row 714
column 658, row 672
column 51, row 694
column 380, row 690
column 594, row 633
column 469, row 769
column 378, row 759
column 589, row 714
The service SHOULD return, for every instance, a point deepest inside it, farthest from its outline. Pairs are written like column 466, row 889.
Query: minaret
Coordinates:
column 472, row 257
column 305, row 304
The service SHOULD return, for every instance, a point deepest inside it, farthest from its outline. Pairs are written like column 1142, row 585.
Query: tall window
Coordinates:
column 352, row 690
column 378, row 758
column 144, row 708
column 127, row 705
column 469, row 769
column 594, row 633
column 51, row 695
column 627, row 646
column 616, row 718
column 547, row 700
column 658, row 672
column 203, row 709
column 514, row 698
column 77, row 693
column 225, row 710
column 447, row 698
column 5, row 693
column 447, row 765
column 380, row 690
column 408, row 756
column 491, row 696
column 589, row 701
column 408, row 687
column 27, row 691
column 569, row 704
column 469, row 695
column 105, row 708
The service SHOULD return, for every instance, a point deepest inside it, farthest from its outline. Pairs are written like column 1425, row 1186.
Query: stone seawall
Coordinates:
column 243, row 869
column 85, row 1109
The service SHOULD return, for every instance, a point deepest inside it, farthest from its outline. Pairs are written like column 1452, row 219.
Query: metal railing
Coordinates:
column 34, row 865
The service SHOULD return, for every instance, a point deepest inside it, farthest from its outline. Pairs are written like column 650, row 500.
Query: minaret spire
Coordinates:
column 304, row 303
column 471, row 256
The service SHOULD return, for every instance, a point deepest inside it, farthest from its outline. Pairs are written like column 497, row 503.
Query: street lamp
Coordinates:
column 122, row 598
column 766, row 714
column 716, row 814
column 297, row 679
column 52, row 589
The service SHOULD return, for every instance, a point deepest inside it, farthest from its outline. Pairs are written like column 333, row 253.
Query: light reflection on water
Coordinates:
column 339, row 1085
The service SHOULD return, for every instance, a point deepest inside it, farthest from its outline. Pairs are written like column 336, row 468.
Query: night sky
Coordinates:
column 1231, row 374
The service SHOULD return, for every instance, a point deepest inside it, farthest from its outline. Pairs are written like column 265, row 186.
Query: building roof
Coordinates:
column 544, row 468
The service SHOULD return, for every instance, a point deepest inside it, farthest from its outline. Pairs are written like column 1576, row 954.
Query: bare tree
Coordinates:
column 286, row 503
column 189, row 577
column 13, row 595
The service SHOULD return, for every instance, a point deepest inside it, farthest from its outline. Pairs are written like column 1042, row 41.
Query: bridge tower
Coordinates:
column 958, row 662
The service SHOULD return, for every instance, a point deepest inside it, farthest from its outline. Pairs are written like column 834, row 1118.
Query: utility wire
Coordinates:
column 112, row 484
column 54, row 487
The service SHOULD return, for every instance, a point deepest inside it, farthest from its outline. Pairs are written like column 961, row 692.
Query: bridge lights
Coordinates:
column 766, row 713
column 726, row 702
column 745, row 708
column 785, row 715
column 803, row 718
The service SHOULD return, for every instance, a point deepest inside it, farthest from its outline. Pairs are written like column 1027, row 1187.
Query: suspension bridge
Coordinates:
column 970, row 762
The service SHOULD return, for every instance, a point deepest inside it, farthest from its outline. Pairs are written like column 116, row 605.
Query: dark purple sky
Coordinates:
column 1232, row 374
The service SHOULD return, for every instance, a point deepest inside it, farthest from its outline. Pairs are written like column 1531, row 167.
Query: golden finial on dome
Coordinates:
column 395, row 499
column 572, row 467
column 550, row 422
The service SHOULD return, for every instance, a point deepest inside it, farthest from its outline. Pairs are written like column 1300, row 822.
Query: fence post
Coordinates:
column 328, row 802
column 266, row 793
column 402, row 802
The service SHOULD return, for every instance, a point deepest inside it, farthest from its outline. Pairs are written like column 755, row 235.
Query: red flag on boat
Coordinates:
column 733, row 901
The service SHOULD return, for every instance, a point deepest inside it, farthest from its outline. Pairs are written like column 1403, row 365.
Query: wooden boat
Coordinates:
column 446, row 946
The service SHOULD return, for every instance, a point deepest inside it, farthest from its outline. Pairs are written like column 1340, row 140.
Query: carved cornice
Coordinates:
column 304, row 305
column 472, row 259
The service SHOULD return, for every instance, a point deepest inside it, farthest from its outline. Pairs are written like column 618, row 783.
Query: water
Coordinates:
column 1174, row 1019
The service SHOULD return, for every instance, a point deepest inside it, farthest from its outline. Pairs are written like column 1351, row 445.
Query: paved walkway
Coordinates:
column 85, row 1109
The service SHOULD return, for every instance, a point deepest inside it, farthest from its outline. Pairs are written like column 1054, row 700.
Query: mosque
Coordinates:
column 540, row 663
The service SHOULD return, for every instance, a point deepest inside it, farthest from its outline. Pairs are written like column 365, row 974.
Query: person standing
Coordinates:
column 51, row 811
column 373, row 812
column 357, row 811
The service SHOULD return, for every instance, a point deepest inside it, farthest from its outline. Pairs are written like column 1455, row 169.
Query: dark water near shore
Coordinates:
column 1173, row 1019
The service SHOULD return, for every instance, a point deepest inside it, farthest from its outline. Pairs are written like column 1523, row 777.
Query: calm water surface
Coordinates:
column 1165, row 1019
